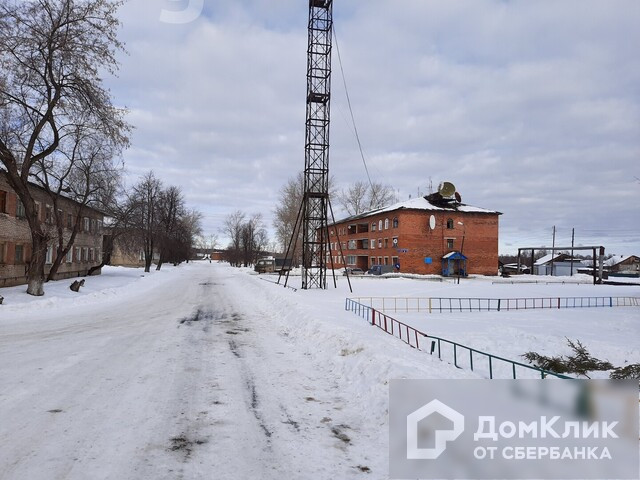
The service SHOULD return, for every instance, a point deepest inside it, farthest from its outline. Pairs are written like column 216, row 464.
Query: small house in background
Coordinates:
column 624, row 265
column 560, row 264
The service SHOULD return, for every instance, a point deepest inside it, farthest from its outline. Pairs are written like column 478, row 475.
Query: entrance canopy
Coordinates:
column 454, row 263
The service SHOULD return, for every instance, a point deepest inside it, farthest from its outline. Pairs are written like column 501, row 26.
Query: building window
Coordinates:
column 69, row 257
column 373, row 227
column 78, row 254
column 3, row 201
column 373, row 244
column 380, row 242
column 449, row 223
column 85, row 254
column 351, row 259
column 86, row 224
column 386, row 260
column 380, row 225
column 20, row 211
column 450, row 243
column 365, row 244
column 373, row 261
column 386, row 243
column 394, row 242
column 91, row 254
column 49, row 257
column 395, row 222
column 69, row 221
column 379, row 260
column 48, row 214
column 386, row 224
column 352, row 245
column 394, row 261
column 2, row 254
column 19, row 254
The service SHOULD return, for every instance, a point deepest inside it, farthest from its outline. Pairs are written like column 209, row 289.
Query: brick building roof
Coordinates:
column 422, row 203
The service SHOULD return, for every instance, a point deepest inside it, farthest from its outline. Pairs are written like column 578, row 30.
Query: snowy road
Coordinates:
column 188, row 379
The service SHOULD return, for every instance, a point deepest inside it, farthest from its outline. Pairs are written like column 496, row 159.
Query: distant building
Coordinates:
column 421, row 235
column 15, row 235
column 624, row 264
column 560, row 264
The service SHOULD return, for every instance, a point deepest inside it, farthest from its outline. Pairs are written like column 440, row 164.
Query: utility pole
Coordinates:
column 573, row 230
column 553, row 249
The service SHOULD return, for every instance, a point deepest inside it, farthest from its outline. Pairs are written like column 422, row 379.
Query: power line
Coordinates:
column 353, row 120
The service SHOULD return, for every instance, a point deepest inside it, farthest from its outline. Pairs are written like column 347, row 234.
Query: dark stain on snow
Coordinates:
column 55, row 410
column 339, row 434
column 254, row 408
column 184, row 445
column 234, row 348
column 199, row 315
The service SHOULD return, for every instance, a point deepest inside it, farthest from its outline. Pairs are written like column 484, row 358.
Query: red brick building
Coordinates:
column 416, row 235
column 15, row 235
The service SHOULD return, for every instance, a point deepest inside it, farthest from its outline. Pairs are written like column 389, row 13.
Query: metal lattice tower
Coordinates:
column 316, row 162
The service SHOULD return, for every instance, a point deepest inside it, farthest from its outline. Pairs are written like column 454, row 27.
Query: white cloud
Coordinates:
column 531, row 108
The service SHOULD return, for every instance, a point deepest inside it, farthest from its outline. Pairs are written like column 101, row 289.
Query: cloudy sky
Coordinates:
column 529, row 108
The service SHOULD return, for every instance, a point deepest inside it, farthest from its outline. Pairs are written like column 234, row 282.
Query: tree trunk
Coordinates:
column 35, row 272
column 107, row 244
column 160, row 260
column 61, row 251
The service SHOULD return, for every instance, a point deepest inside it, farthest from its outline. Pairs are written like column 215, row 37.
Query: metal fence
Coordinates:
column 460, row 355
column 467, row 304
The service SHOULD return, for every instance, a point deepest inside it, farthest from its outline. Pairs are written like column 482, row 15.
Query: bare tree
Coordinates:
column 233, row 225
column 362, row 197
column 189, row 228
column 170, row 210
column 144, row 205
column 120, row 227
column 254, row 239
column 287, row 211
column 52, row 54
column 87, row 174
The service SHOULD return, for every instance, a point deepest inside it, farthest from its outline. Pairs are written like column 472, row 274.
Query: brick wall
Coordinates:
column 15, row 234
column 416, row 241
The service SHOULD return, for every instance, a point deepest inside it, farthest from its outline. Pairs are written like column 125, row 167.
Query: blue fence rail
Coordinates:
column 460, row 355
column 470, row 304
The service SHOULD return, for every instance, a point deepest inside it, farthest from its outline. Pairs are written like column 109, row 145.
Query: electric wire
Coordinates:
column 353, row 120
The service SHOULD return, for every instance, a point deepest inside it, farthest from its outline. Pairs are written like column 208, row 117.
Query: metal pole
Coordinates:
column 553, row 249
column 573, row 230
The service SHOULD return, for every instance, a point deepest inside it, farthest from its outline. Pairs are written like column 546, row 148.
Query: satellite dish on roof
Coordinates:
column 446, row 189
column 458, row 197
column 432, row 222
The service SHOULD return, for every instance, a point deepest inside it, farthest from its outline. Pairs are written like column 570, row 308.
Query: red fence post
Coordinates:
column 373, row 317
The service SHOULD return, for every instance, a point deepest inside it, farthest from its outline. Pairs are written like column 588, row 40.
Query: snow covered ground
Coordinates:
column 206, row 371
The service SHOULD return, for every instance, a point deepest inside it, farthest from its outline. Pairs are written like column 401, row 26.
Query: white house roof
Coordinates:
column 616, row 259
column 421, row 203
column 547, row 258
